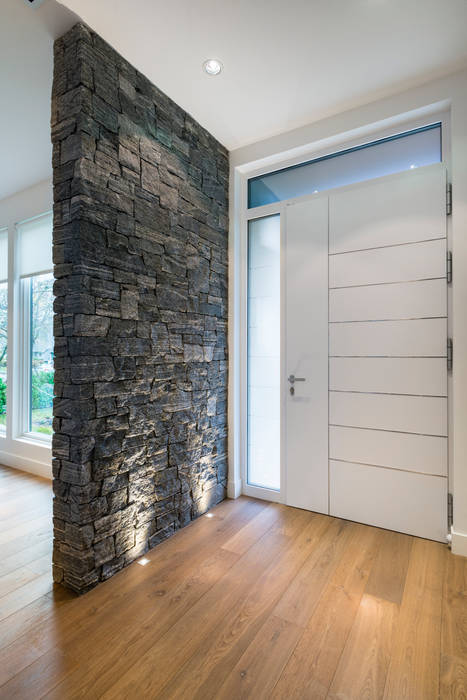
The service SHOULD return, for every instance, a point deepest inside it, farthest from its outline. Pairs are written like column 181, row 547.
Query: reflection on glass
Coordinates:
column 41, row 355
column 264, row 352
column 3, row 350
column 406, row 151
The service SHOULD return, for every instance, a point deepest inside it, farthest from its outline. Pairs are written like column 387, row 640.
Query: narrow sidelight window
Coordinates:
column 264, row 352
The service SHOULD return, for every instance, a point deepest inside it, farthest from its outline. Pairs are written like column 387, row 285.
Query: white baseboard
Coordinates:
column 459, row 543
column 26, row 464
column 234, row 488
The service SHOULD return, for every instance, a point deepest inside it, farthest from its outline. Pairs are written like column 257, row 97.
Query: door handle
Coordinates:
column 292, row 379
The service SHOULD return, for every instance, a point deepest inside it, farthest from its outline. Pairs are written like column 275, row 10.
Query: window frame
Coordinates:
column 23, row 319
column 4, row 230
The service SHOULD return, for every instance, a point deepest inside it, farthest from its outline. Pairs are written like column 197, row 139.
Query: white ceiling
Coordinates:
column 26, row 64
column 286, row 62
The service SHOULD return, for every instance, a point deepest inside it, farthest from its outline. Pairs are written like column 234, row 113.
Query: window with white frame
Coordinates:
column 34, row 267
column 3, row 325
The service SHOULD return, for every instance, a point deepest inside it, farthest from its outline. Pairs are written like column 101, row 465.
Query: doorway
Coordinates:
column 348, row 294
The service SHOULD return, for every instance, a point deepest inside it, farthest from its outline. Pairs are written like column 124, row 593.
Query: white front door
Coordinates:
column 388, row 342
column 382, row 308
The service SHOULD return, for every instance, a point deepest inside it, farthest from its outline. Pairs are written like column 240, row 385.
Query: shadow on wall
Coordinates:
column 140, row 254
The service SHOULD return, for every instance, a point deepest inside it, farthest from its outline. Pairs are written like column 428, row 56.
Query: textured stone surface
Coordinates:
column 140, row 254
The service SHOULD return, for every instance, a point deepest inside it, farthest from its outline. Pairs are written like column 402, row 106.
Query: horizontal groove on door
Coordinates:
column 389, row 498
column 407, row 451
column 389, row 265
column 387, row 466
column 394, row 357
column 381, row 284
column 404, row 300
column 387, row 375
column 385, row 393
column 385, row 430
column 384, row 320
column 389, row 245
column 409, row 414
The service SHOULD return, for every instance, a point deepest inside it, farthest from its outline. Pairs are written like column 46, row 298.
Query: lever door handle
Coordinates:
column 292, row 379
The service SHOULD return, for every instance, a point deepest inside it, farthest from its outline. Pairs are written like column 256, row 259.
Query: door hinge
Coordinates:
column 450, row 511
column 449, row 354
column 449, row 199
column 449, row 266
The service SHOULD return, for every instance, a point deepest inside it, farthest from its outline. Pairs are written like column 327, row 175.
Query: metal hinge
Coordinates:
column 450, row 511
column 449, row 266
column 449, row 355
column 449, row 199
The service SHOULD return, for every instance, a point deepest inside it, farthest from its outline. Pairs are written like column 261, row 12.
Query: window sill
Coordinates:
column 31, row 439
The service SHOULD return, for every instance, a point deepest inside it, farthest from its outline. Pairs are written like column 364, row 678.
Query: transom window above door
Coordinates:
column 393, row 154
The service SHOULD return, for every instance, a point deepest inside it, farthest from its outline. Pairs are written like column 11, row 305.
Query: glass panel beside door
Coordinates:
column 263, row 353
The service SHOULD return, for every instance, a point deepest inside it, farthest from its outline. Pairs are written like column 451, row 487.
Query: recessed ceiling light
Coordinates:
column 212, row 66
column 413, row 166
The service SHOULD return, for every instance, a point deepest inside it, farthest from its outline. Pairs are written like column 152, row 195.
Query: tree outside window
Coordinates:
column 41, row 354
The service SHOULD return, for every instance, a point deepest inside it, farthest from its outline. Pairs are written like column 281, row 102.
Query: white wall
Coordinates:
column 19, row 452
column 292, row 147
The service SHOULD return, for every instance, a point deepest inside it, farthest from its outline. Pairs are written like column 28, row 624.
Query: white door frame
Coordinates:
column 237, row 483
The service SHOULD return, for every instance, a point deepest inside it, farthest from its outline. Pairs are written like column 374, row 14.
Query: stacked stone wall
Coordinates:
column 140, row 262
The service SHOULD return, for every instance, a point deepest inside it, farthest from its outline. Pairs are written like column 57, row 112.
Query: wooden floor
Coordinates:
column 257, row 601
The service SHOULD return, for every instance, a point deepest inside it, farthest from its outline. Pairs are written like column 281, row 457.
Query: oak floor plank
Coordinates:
column 42, row 564
column 32, row 539
column 25, row 502
column 387, row 578
column 41, row 676
column 249, row 533
column 454, row 625
column 28, row 617
column 415, row 656
column 39, row 510
column 259, row 667
column 25, row 557
column 453, row 667
column 311, row 667
column 363, row 666
column 453, row 681
column 300, row 599
column 15, row 579
column 25, row 594
column 40, row 524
